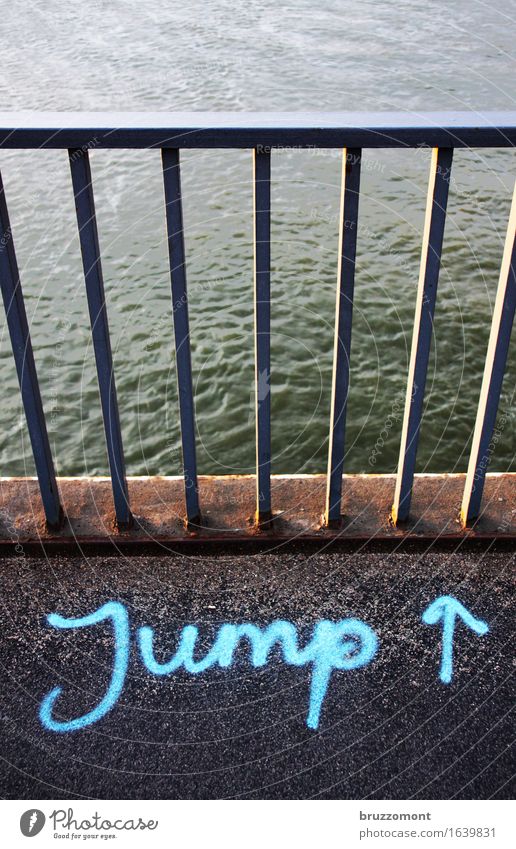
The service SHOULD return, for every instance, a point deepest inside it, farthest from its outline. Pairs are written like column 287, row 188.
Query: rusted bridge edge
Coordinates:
column 158, row 507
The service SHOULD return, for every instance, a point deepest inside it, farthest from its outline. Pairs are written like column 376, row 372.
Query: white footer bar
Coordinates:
column 245, row 824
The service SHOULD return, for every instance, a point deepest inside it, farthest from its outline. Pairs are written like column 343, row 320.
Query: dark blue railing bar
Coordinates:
column 90, row 250
column 496, row 359
column 250, row 129
column 26, row 369
column 350, row 192
column 433, row 234
column 176, row 251
column 262, row 330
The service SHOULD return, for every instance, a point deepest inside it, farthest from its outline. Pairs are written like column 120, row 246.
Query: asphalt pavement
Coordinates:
column 387, row 729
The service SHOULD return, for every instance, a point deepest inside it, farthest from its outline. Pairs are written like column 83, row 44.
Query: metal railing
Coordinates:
column 261, row 133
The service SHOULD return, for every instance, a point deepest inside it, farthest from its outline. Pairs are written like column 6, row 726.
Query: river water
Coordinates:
column 217, row 55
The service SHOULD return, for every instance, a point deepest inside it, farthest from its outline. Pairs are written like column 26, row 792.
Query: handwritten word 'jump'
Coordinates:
column 344, row 645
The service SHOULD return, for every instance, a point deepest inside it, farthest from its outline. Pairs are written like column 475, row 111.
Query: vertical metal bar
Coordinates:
column 433, row 233
column 496, row 359
column 26, row 369
column 350, row 192
column 262, row 330
column 90, row 250
column 176, row 251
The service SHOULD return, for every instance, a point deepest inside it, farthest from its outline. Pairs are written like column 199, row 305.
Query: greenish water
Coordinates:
column 155, row 56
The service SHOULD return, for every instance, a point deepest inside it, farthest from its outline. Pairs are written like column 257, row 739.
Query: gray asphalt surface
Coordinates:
column 388, row 730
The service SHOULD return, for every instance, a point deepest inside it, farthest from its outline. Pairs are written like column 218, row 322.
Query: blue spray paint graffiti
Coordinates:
column 344, row 645
column 347, row 644
column 118, row 614
column 446, row 609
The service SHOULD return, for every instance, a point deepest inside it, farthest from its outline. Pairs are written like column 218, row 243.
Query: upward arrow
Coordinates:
column 446, row 609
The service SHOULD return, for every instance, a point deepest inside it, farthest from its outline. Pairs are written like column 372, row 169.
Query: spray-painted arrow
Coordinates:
column 446, row 609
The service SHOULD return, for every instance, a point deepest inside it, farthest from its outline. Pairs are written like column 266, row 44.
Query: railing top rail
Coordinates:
column 60, row 130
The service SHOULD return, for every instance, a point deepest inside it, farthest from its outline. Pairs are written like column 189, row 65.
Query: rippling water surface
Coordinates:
column 224, row 56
